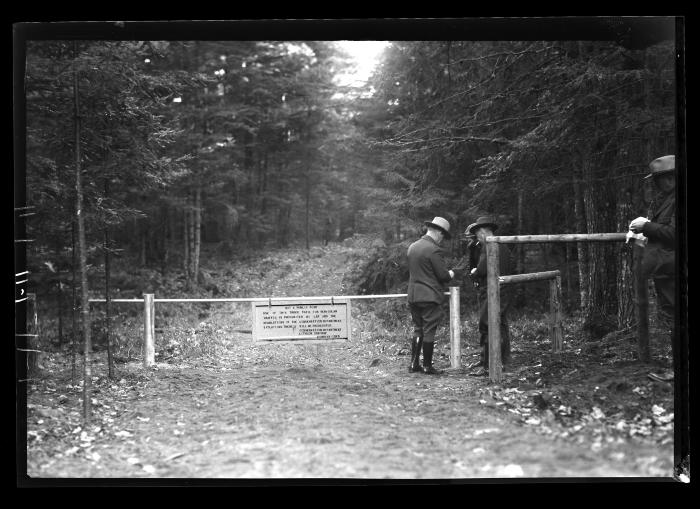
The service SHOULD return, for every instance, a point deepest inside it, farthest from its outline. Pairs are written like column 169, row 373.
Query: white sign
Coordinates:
column 302, row 321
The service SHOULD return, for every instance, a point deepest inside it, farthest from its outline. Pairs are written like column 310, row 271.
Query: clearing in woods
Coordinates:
column 353, row 411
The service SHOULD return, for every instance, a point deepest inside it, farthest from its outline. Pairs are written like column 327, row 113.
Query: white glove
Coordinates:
column 638, row 224
column 639, row 238
column 451, row 273
column 473, row 271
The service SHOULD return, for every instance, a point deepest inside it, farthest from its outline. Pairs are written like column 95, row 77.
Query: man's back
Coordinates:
column 427, row 271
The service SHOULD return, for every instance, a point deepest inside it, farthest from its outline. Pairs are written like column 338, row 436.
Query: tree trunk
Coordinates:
column 108, row 308
column 108, row 297
column 82, row 250
column 60, row 311
column 74, row 300
column 306, row 217
column 625, row 277
column 186, row 242
column 197, row 231
column 581, row 247
column 520, row 260
column 143, row 230
column 165, row 258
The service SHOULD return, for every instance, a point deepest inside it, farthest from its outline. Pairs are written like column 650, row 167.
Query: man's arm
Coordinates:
column 440, row 267
column 662, row 233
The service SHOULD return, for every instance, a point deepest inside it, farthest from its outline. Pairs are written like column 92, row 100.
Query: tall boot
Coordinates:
column 416, row 344
column 428, row 368
column 484, row 340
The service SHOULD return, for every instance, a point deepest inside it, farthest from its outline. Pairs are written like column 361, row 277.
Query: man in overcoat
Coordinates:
column 659, row 258
column 484, row 227
column 428, row 273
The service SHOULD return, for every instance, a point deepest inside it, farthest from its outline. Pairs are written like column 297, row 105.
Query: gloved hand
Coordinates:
column 638, row 224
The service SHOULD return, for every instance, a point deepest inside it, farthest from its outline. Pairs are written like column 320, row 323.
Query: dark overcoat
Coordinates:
column 427, row 271
column 659, row 253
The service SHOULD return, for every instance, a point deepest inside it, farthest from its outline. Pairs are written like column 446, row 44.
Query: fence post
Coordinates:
column 555, row 310
column 642, row 301
column 455, row 339
column 32, row 343
column 148, row 330
column 494, row 310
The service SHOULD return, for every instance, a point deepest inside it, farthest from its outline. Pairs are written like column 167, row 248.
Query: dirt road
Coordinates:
column 347, row 411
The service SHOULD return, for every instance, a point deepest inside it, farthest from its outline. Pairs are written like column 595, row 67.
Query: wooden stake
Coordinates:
column 148, row 330
column 455, row 340
column 555, row 310
column 494, row 310
column 642, row 301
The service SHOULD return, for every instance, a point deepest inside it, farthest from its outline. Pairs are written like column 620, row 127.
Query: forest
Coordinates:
column 151, row 163
column 247, row 145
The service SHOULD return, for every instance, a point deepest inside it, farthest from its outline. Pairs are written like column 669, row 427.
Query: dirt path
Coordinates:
column 291, row 411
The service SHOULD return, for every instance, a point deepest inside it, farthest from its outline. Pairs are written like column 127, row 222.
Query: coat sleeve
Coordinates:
column 481, row 266
column 505, row 263
column 439, row 267
column 665, row 234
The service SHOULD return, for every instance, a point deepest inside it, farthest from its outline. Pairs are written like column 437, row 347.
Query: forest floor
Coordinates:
column 243, row 410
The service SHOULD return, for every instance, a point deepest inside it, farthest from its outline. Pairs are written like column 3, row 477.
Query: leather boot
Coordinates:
column 416, row 344
column 428, row 368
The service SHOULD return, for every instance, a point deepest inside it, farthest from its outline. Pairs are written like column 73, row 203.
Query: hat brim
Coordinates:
column 493, row 226
column 433, row 225
column 659, row 173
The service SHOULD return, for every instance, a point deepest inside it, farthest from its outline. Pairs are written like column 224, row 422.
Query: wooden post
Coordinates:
column 642, row 301
column 455, row 339
column 148, row 330
column 494, row 310
column 555, row 310
column 33, row 337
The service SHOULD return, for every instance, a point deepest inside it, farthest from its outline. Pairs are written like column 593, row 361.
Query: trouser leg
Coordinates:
column 484, row 333
column 417, row 338
column 506, row 299
column 665, row 300
column 432, row 314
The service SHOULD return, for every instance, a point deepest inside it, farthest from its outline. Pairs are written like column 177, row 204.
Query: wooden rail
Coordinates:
column 563, row 237
column 494, row 280
column 532, row 276
column 149, row 300
column 263, row 299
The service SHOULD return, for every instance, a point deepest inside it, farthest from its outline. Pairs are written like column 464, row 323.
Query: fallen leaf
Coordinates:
column 597, row 413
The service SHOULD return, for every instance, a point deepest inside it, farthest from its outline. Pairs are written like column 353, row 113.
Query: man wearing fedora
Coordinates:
column 426, row 294
column 659, row 260
column 482, row 228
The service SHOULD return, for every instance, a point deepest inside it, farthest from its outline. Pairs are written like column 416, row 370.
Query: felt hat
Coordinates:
column 662, row 165
column 441, row 224
column 483, row 221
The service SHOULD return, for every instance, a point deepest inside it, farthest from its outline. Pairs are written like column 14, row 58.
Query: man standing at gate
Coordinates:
column 426, row 294
column 659, row 258
column 484, row 227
